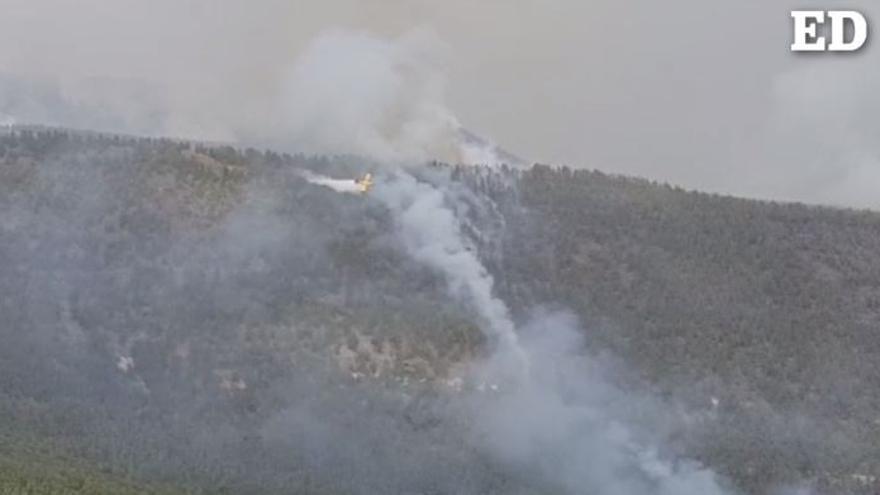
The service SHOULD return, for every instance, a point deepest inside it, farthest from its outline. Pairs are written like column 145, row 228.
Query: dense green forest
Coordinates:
column 162, row 301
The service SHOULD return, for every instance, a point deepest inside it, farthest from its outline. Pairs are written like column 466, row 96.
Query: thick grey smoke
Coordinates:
column 570, row 426
column 553, row 417
column 355, row 93
column 432, row 234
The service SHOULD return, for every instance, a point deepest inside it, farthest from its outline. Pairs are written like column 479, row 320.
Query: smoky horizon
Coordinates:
column 706, row 97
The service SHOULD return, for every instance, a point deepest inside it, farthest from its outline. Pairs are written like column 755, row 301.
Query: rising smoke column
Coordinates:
column 431, row 233
column 355, row 93
column 550, row 418
column 555, row 418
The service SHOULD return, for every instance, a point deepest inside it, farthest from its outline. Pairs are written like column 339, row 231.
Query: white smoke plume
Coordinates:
column 431, row 233
column 568, row 425
column 348, row 186
column 553, row 418
column 353, row 93
column 350, row 92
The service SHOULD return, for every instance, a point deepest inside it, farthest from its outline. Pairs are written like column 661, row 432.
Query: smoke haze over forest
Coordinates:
column 278, row 247
column 706, row 96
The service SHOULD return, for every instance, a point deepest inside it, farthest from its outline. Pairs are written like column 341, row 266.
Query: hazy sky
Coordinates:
column 703, row 94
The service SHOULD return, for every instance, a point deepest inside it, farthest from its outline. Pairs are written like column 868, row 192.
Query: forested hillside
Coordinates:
column 178, row 314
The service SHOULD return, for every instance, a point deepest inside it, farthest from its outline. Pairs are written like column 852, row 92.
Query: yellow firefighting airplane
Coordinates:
column 365, row 183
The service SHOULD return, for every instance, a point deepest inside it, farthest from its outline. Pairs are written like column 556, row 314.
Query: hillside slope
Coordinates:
column 167, row 305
